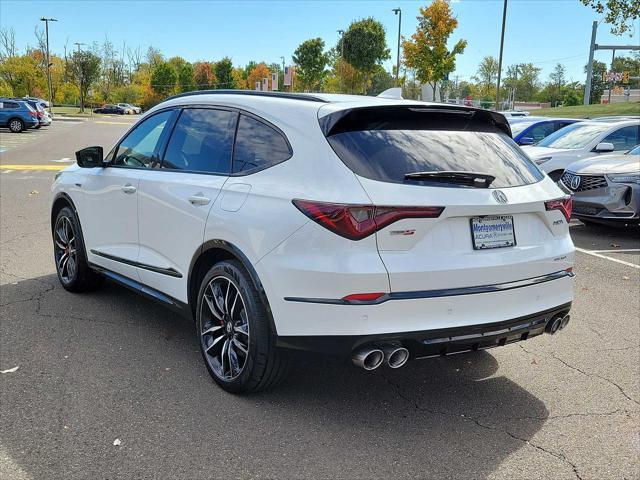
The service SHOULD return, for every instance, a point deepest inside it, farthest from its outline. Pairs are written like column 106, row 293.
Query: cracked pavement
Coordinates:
column 111, row 365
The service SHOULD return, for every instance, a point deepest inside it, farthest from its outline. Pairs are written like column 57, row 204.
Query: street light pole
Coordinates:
column 77, row 44
column 398, row 11
column 46, row 29
column 283, row 87
column 504, row 19
column 341, row 33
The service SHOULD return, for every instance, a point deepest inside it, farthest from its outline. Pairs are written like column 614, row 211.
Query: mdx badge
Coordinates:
column 499, row 196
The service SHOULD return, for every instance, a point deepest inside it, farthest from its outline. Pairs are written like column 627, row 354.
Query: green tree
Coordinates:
column 223, row 71
column 163, row 79
column 597, row 83
column 364, row 46
column 381, row 80
column 312, row 62
column 427, row 51
column 622, row 14
column 523, row 78
column 86, row 71
column 486, row 77
column 629, row 64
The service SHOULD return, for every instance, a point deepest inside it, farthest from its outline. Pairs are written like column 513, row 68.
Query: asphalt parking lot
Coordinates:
column 110, row 385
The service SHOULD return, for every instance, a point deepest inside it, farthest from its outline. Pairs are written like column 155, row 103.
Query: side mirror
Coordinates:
column 90, row 157
column 604, row 147
column 526, row 141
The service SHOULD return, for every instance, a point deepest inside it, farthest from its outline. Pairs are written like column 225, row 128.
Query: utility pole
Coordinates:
column 592, row 49
column 46, row 29
column 81, row 73
column 504, row 19
column 341, row 33
column 398, row 11
column 283, row 67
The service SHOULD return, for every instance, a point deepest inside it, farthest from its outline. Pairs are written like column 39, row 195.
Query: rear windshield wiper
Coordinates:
column 469, row 179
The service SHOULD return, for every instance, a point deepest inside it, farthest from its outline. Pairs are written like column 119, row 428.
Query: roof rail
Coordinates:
column 293, row 96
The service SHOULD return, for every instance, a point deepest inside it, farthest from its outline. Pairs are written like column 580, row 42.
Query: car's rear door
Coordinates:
column 486, row 234
column 175, row 200
column 109, row 206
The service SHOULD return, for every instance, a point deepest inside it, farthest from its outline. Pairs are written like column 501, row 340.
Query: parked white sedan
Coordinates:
column 581, row 140
column 130, row 109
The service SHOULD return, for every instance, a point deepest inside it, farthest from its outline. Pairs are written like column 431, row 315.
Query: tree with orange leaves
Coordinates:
column 256, row 74
column 427, row 51
column 203, row 76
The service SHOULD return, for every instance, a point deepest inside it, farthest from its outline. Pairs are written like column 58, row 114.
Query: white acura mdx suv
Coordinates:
column 374, row 229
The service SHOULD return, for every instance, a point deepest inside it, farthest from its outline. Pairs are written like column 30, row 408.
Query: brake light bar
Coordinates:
column 565, row 205
column 356, row 222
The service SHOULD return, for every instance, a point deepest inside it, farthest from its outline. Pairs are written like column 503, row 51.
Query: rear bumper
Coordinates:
column 430, row 343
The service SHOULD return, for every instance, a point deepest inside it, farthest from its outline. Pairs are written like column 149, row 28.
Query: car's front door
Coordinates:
column 175, row 200
column 109, row 211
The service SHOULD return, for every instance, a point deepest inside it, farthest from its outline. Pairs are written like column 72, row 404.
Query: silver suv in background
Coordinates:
column 605, row 189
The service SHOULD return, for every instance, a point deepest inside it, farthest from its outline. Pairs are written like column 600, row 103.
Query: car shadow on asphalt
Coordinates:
column 110, row 364
column 604, row 237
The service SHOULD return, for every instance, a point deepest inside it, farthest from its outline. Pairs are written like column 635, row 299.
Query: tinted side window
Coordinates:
column 624, row 138
column 139, row 147
column 540, row 131
column 202, row 141
column 258, row 146
column 10, row 105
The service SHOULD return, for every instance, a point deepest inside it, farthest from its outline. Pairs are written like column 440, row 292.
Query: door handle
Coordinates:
column 199, row 200
column 128, row 188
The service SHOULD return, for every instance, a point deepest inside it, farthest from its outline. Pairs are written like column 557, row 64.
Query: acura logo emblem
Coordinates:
column 499, row 196
column 575, row 182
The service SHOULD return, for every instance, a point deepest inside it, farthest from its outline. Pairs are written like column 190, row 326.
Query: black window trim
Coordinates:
column 163, row 142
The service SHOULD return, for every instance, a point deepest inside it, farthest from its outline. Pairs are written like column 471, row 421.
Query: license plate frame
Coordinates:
column 498, row 240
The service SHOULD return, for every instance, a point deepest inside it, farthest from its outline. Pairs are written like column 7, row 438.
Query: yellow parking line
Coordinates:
column 32, row 167
column 113, row 123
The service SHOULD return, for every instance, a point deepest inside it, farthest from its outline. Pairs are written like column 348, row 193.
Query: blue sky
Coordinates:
column 539, row 31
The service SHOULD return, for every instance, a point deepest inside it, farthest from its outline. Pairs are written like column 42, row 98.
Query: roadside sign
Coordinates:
column 274, row 81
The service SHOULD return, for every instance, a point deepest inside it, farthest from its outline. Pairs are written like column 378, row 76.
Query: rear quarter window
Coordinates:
column 258, row 146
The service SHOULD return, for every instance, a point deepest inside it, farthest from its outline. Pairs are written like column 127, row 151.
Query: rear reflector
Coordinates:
column 364, row 297
column 565, row 205
column 356, row 222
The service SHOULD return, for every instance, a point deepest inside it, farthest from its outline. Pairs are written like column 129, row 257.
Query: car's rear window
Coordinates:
column 388, row 154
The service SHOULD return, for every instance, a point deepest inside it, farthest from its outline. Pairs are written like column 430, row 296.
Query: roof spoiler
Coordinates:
column 414, row 116
column 394, row 93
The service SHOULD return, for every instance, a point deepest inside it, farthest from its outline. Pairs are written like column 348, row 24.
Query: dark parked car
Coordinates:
column 17, row 115
column 530, row 133
column 109, row 108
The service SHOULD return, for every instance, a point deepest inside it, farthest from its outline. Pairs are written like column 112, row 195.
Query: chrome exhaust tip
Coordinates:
column 554, row 325
column 368, row 358
column 395, row 356
column 565, row 321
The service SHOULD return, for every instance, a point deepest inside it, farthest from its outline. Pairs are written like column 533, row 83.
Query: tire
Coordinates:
column 70, row 256
column 16, row 125
column 38, row 126
column 236, row 341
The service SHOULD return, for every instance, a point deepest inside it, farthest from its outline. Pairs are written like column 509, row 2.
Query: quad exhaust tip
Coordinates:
column 368, row 358
column 372, row 357
column 557, row 323
column 395, row 356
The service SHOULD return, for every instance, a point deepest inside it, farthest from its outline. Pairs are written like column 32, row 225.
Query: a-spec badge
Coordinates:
column 499, row 196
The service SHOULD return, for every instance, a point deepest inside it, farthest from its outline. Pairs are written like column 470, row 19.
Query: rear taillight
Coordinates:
column 565, row 205
column 356, row 222
column 33, row 114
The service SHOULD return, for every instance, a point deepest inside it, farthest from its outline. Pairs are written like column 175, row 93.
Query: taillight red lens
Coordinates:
column 356, row 222
column 565, row 205
column 364, row 297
